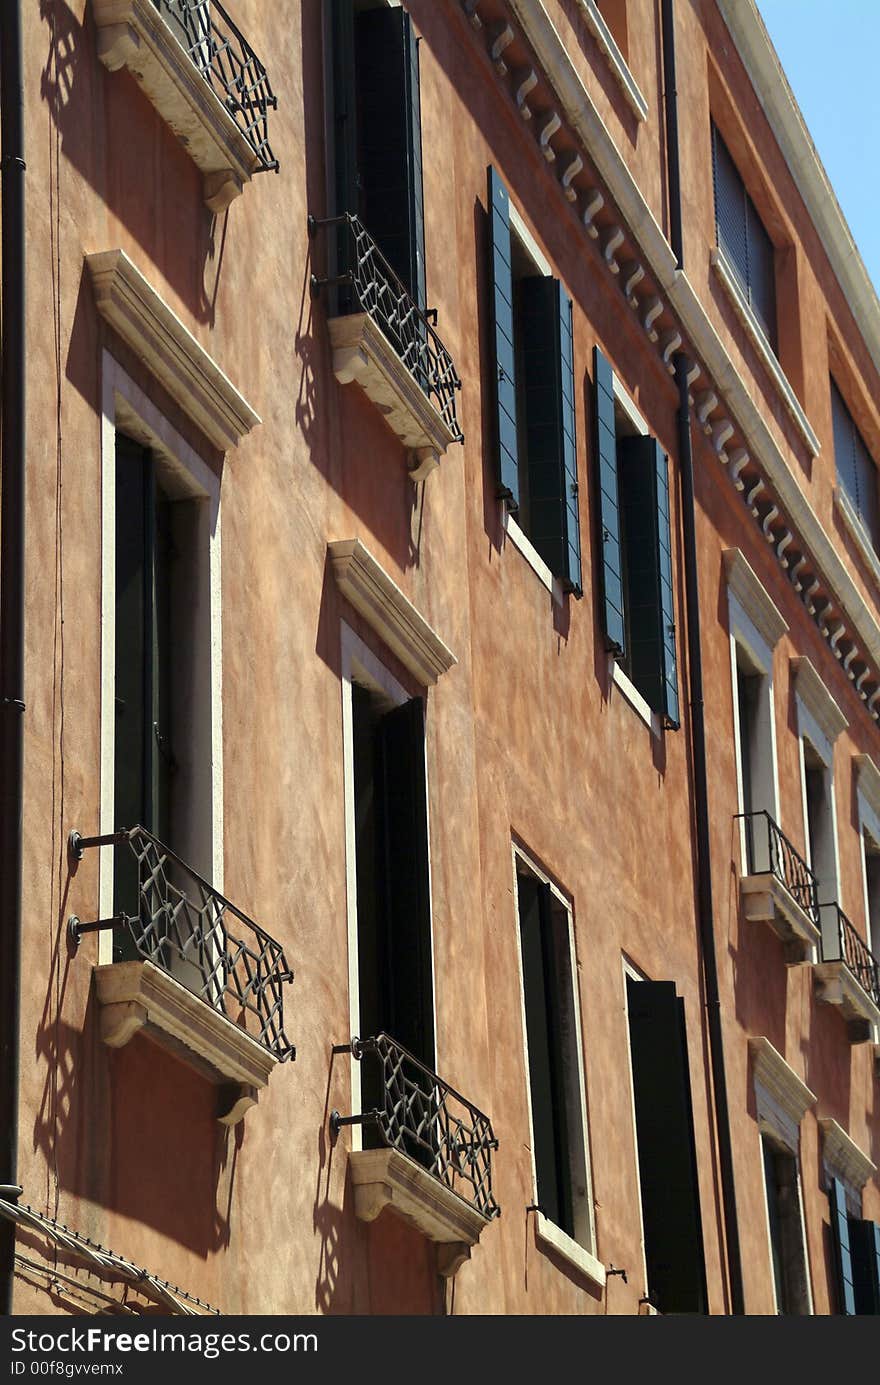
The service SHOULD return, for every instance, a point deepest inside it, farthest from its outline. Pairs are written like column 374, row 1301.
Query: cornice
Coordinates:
column 366, row 584
column 752, row 596
column 780, row 1080
column 842, row 1156
column 817, row 699
column 157, row 337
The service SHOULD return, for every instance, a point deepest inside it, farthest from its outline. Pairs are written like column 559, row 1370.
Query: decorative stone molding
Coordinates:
column 765, row 899
column 836, row 985
column 868, row 781
column 386, row 1178
column 607, row 46
column 842, row 1157
column 372, row 593
column 730, row 284
column 133, row 34
column 139, row 997
column 169, row 350
column 817, row 699
column 362, row 352
column 781, row 1098
column 752, row 596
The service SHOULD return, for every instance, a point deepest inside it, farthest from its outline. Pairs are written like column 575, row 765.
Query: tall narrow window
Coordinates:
column 743, row 239
column 782, row 1186
column 554, row 1059
column 871, row 850
column 819, row 802
column 856, row 471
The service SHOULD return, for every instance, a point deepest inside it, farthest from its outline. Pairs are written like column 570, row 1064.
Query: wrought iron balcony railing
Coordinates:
column 842, row 943
column 769, row 852
column 230, row 67
column 377, row 290
column 422, row 1116
column 191, row 931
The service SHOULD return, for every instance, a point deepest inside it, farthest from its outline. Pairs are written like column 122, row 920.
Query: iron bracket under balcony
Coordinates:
column 205, row 982
column 778, row 888
column 848, row 975
column 433, row 1169
column 387, row 344
column 202, row 77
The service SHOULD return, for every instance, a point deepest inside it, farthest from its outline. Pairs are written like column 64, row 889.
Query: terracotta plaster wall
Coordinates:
column 527, row 741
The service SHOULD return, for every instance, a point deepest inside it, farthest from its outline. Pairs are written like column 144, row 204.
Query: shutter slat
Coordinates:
column 842, row 1254
column 503, row 364
column 605, row 446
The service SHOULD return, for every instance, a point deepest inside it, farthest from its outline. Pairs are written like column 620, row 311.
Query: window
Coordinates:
column 553, row 1044
column 742, row 238
column 819, row 815
column 667, row 1159
column 636, row 548
column 533, row 385
column 377, row 141
column 785, row 1222
column 856, row 472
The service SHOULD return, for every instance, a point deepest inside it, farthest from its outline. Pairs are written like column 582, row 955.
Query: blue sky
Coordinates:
column 829, row 53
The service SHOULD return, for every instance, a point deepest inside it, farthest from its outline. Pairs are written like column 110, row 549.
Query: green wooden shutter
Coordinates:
column 842, row 1254
column 667, row 1154
column 389, row 141
column 611, row 560
column 644, row 502
column 545, row 321
column 408, row 1007
column 864, row 1241
column 503, row 364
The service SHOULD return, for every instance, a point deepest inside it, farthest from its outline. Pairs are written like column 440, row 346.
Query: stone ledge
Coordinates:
column 836, row 985
column 156, row 335
column 766, row 900
column 133, row 34
column 386, row 1178
column 139, row 997
column 362, row 352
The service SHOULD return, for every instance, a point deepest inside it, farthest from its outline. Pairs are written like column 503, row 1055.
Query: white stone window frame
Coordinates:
column 755, row 628
column 820, row 721
column 360, row 665
column 126, row 407
column 781, row 1101
column 583, row 1257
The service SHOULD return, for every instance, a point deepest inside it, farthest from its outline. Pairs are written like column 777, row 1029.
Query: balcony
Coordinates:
column 384, row 341
column 433, row 1166
column 203, row 78
column 848, row 975
column 204, row 981
column 778, row 888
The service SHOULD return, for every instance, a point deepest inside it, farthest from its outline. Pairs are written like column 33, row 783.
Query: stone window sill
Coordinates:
column 569, row 1250
column 619, row 67
column 138, row 996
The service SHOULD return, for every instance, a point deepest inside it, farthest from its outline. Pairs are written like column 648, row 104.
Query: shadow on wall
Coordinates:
column 102, row 124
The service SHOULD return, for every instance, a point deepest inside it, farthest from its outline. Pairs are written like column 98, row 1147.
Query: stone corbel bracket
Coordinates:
column 133, row 34
column 169, row 350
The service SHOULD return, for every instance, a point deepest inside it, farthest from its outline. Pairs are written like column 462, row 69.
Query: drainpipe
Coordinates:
column 12, row 458
column 698, row 727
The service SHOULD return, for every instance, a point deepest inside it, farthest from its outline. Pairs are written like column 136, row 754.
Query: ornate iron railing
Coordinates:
column 769, row 852
column 842, row 943
column 377, row 290
column 230, row 67
column 190, row 930
column 422, row 1116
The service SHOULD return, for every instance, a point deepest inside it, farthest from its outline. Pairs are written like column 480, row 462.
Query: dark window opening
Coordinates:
column 817, row 789
column 856, row 472
column 749, row 687
column 786, row 1230
column 743, row 238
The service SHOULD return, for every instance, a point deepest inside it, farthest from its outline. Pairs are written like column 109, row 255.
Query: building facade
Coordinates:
column 452, row 632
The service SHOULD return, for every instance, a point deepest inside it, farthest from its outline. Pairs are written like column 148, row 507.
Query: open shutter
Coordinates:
column 864, row 1240
column 407, row 1012
column 605, row 443
column 546, row 326
column 389, row 141
column 667, row 1155
column 503, row 365
column 644, row 501
column 842, row 1254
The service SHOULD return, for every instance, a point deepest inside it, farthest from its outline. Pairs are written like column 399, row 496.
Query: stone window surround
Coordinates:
column 842, row 1159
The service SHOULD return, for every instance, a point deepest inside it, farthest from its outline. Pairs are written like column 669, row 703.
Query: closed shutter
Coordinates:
column 667, row 1154
column 605, row 447
column 389, row 142
column 644, row 500
column 762, row 273
column 846, row 1303
column 864, row 1240
column 545, row 320
column 503, row 364
column 730, row 210
column 406, row 1009
column 856, row 472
